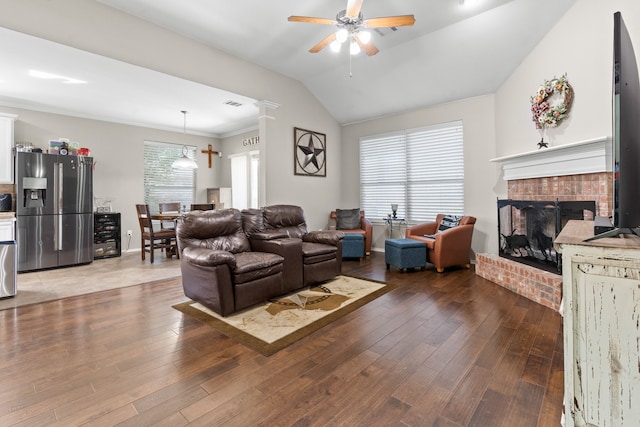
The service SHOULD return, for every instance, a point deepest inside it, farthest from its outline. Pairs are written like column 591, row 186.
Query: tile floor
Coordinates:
column 101, row 274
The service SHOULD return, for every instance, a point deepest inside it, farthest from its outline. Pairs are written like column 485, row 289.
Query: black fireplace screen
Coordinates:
column 528, row 229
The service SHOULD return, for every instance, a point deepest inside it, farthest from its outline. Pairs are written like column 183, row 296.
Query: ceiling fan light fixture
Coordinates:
column 342, row 35
column 364, row 36
column 335, row 46
column 350, row 26
column 354, row 49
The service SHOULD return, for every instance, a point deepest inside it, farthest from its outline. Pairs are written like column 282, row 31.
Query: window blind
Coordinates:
column 162, row 183
column 422, row 170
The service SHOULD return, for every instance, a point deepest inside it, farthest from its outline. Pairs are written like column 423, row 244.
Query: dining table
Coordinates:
column 167, row 216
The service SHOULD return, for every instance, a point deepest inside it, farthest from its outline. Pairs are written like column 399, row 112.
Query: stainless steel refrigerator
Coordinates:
column 54, row 210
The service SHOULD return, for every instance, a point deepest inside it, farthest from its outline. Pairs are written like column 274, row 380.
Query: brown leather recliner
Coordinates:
column 310, row 257
column 219, row 270
column 366, row 229
column 445, row 248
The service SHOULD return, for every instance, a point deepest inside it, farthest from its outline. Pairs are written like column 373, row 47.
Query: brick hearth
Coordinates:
column 538, row 285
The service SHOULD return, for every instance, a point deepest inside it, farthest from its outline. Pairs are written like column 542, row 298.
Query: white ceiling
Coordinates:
column 452, row 52
column 114, row 91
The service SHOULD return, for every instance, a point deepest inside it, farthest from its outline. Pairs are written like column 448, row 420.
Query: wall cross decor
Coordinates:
column 209, row 152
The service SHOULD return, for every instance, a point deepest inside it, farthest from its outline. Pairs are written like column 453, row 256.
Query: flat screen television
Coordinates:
column 626, row 134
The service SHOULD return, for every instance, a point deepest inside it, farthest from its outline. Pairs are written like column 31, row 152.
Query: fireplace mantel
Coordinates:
column 591, row 156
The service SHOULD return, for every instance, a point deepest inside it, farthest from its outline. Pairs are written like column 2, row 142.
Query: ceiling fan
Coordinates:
column 351, row 24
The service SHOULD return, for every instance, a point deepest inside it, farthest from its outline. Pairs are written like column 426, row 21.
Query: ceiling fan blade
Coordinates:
column 353, row 8
column 324, row 42
column 311, row 19
column 390, row 21
column 368, row 48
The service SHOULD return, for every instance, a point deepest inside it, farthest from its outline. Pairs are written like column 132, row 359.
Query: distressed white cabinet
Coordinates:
column 6, row 147
column 601, row 307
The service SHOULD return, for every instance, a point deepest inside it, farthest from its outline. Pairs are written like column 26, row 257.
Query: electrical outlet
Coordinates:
column 129, row 233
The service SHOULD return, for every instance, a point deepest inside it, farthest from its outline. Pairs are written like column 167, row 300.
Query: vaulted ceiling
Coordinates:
column 453, row 51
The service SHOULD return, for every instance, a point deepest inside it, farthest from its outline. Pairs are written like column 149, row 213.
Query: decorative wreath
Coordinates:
column 546, row 112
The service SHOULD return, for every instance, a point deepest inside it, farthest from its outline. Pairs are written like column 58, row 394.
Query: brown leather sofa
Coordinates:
column 447, row 248
column 219, row 269
column 365, row 229
column 309, row 256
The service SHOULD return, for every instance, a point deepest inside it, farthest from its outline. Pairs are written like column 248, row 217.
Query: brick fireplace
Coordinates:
column 574, row 172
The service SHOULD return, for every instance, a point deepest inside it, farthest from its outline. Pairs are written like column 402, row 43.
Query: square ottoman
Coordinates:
column 405, row 253
column 353, row 246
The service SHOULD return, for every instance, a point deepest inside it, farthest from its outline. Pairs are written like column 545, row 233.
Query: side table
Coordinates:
column 390, row 221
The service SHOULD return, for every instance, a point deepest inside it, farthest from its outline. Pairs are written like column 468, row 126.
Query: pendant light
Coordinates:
column 184, row 162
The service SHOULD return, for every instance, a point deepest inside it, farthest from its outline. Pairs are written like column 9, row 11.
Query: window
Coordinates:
column 422, row 170
column 244, row 180
column 162, row 183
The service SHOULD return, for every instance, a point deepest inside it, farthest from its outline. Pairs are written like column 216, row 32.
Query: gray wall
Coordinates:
column 494, row 125
column 118, row 154
column 99, row 29
column 500, row 125
column 477, row 115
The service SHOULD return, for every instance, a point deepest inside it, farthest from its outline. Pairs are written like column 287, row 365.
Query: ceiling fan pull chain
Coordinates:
column 350, row 74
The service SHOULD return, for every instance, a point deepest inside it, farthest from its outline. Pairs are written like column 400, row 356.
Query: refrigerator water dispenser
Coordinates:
column 35, row 192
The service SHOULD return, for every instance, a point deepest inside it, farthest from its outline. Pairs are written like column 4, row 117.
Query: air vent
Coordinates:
column 233, row 104
column 385, row 30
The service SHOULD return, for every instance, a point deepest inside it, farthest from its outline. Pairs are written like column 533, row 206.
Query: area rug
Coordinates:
column 274, row 325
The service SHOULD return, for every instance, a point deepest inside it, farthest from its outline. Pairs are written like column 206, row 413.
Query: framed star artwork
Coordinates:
column 310, row 153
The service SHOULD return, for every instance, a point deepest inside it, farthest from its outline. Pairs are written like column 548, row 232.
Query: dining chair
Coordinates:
column 202, row 206
column 168, row 207
column 150, row 240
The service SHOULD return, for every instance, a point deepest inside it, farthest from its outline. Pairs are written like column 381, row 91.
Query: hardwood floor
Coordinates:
column 446, row 349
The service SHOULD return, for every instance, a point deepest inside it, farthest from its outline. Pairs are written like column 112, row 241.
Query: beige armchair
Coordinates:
column 445, row 247
column 365, row 229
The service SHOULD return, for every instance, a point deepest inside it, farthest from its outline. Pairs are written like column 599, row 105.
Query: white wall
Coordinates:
column 118, row 152
column 477, row 115
column 580, row 45
column 99, row 29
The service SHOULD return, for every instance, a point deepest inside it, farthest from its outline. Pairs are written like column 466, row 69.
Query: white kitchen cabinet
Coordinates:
column 601, row 307
column 7, row 230
column 6, row 147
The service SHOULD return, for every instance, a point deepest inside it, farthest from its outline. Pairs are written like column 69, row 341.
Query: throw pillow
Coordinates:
column 348, row 219
column 449, row 221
